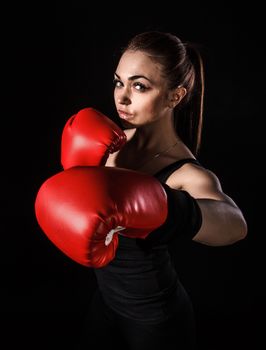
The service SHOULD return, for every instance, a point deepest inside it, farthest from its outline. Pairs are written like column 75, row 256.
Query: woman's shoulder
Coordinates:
column 194, row 178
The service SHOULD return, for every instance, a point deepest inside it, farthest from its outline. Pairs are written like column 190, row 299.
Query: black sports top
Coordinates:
column 141, row 282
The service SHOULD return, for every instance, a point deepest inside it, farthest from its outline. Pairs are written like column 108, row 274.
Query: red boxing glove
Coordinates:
column 82, row 209
column 88, row 138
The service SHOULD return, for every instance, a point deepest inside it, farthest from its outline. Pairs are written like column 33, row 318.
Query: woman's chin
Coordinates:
column 126, row 124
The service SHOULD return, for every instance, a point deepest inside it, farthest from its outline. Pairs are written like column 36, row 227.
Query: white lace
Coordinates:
column 109, row 236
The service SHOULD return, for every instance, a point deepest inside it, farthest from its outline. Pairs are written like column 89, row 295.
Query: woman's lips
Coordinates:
column 125, row 115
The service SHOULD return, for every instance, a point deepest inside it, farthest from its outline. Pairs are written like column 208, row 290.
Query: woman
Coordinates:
column 158, row 93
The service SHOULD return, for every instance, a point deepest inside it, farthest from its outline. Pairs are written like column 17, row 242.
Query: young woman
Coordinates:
column 125, row 196
column 158, row 94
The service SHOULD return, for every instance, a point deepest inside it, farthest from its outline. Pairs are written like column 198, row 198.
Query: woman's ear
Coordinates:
column 176, row 96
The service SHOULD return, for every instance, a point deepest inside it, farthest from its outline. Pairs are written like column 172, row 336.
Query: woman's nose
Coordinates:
column 123, row 98
column 124, row 101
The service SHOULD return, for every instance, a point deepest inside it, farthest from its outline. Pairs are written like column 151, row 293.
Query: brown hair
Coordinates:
column 182, row 65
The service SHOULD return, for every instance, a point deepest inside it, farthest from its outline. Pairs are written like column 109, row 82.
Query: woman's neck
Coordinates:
column 155, row 136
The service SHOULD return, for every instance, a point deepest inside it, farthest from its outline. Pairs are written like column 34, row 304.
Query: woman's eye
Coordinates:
column 117, row 83
column 140, row 86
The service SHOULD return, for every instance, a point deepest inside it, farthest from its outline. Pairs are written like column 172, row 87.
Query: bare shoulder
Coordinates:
column 200, row 182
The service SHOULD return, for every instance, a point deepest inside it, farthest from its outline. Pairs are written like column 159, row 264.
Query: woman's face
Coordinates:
column 140, row 92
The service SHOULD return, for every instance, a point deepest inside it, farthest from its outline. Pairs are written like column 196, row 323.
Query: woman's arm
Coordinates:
column 222, row 221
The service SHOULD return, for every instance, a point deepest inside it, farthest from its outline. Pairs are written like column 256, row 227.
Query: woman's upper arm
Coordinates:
column 199, row 182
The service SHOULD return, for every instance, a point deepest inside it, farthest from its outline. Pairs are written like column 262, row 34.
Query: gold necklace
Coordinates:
column 157, row 155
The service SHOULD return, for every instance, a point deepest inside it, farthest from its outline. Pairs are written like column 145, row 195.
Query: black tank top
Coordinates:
column 141, row 283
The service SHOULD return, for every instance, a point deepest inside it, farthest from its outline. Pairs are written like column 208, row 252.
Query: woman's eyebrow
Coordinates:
column 134, row 77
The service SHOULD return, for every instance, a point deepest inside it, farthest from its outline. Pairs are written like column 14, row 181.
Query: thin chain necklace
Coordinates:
column 157, row 155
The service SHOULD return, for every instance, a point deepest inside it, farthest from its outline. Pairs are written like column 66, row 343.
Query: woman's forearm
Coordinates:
column 222, row 223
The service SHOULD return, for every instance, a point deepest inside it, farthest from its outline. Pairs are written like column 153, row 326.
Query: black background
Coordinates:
column 58, row 59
